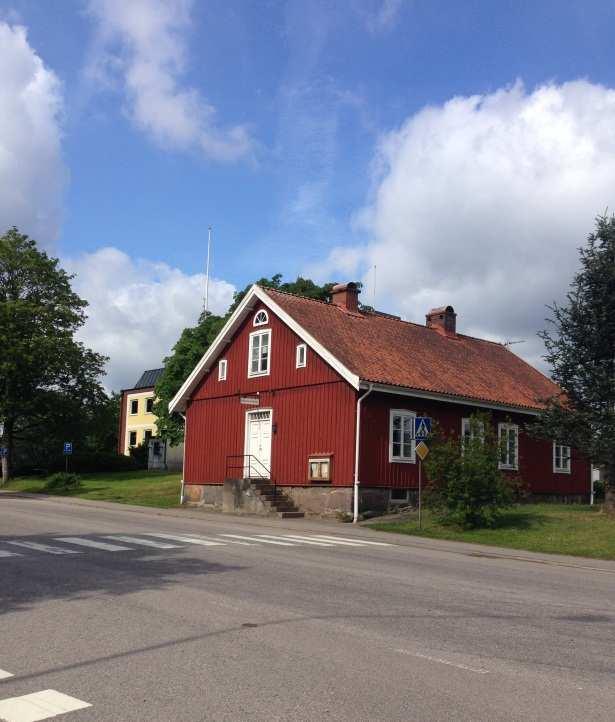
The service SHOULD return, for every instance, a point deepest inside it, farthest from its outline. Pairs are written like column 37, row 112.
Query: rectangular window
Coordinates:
column 301, row 356
column 561, row 458
column 134, row 406
column 508, row 435
column 147, row 435
column 149, row 405
column 471, row 429
column 260, row 353
column 399, row 496
column 401, row 436
column 222, row 370
column 132, row 438
column 319, row 469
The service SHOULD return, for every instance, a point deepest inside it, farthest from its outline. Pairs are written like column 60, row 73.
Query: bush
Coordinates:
column 63, row 482
column 465, row 486
column 139, row 454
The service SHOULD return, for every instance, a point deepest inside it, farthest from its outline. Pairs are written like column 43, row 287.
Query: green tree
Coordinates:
column 580, row 348
column 194, row 342
column 465, row 485
column 46, row 376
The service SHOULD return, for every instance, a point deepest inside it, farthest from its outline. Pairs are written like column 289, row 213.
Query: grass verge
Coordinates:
column 578, row 530
column 147, row 488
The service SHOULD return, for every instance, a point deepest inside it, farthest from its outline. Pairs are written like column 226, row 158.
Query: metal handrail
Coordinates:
column 250, row 457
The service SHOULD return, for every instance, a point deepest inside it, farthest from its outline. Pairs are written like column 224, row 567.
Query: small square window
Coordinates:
column 132, row 438
column 319, row 469
column 222, row 366
column 149, row 405
column 301, row 356
column 399, row 496
column 134, row 406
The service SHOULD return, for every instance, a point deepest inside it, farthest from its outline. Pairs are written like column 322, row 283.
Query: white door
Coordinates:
column 258, row 445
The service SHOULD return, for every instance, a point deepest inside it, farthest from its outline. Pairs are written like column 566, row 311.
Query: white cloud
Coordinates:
column 482, row 202
column 384, row 17
column 32, row 173
column 141, row 47
column 138, row 309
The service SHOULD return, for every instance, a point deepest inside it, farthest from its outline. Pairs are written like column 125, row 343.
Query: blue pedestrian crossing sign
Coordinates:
column 68, row 447
column 4, row 451
column 422, row 427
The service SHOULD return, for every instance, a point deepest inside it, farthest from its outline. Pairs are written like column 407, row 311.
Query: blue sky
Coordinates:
column 299, row 139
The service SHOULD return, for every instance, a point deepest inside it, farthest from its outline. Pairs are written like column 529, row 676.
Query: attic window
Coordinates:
column 301, row 356
column 261, row 318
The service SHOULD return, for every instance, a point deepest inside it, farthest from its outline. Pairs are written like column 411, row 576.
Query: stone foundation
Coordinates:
column 206, row 495
column 321, row 500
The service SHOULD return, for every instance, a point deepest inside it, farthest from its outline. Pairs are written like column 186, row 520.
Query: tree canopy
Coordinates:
column 580, row 348
column 48, row 379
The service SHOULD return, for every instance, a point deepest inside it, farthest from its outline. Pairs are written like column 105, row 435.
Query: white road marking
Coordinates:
column 188, row 539
column 354, row 541
column 8, row 554
column 301, row 539
column 39, row 706
column 142, row 542
column 4, row 674
column 339, row 542
column 478, row 670
column 42, row 548
column 258, row 539
column 92, row 544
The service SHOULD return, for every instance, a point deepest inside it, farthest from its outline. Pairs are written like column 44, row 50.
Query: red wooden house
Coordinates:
column 318, row 398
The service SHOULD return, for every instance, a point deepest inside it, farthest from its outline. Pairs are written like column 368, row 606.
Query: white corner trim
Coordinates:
column 178, row 403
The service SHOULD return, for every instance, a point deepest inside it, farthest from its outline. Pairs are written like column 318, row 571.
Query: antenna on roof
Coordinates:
column 206, row 299
column 509, row 342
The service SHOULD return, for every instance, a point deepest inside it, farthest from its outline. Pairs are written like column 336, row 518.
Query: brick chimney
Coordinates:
column 346, row 296
column 443, row 320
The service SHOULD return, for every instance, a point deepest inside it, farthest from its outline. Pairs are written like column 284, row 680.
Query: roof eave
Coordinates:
column 451, row 398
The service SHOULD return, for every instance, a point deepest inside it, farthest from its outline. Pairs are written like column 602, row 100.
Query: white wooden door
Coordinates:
column 259, row 443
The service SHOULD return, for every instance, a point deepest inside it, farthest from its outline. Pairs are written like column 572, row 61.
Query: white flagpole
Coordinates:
column 206, row 304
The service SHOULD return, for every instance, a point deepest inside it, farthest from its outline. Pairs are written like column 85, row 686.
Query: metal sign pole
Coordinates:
column 420, row 494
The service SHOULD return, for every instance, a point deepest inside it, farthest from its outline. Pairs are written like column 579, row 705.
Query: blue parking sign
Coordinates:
column 68, row 447
column 422, row 427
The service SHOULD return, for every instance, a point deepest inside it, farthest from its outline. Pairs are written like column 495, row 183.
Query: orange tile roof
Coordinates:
column 386, row 350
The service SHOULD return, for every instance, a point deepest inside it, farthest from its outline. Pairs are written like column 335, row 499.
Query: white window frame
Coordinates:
column 319, row 460
column 263, row 322
column 130, row 444
column 466, row 423
column 401, row 459
column 134, row 413
column 405, row 500
column 148, row 399
column 299, row 363
column 506, row 427
column 222, row 369
column 562, row 469
column 267, row 371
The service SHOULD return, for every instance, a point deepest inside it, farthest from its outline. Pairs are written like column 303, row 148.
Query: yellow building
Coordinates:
column 137, row 419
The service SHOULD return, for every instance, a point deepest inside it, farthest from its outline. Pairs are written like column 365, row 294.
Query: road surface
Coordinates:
column 117, row 613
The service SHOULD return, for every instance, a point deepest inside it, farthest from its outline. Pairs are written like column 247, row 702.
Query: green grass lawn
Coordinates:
column 148, row 488
column 573, row 529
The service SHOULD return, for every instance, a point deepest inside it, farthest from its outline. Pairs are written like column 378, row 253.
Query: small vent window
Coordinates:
column 222, row 366
column 319, row 468
column 301, row 356
column 261, row 318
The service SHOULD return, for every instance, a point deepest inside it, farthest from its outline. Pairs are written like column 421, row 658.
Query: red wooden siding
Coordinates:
column 313, row 412
column 535, row 456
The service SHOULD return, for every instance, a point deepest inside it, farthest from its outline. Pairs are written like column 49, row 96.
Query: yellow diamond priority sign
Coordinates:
column 422, row 450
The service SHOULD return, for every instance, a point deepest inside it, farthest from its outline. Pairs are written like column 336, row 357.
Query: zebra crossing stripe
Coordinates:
column 354, row 541
column 39, row 706
column 142, row 542
column 188, row 539
column 259, row 539
column 8, row 554
column 42, row 548
column 300, row 539
column 90, row 543
column 4, row 674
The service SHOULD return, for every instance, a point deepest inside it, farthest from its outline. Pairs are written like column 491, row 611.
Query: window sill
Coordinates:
column 255, row 376
column 501, row 467
column 562, row 471
column 401, row 461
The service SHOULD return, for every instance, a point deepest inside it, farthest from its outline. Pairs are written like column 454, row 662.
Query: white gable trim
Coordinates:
column 450, row 398
column 225, row 336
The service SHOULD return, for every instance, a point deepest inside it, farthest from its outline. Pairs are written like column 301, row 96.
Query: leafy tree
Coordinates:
column 580, row 343
column 465, row 485
column 46, row 377
column 194, row 342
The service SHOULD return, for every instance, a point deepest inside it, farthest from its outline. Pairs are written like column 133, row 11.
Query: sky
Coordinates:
column 439, row 152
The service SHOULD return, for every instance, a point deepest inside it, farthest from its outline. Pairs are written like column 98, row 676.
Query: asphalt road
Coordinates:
column 239, row 628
